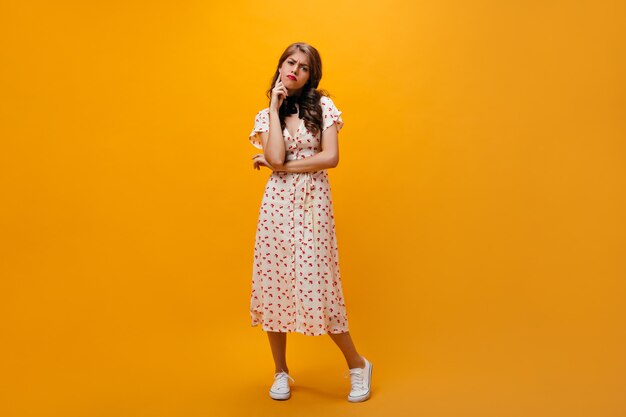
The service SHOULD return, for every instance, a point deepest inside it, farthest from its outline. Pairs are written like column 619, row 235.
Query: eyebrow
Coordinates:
column 306, row 65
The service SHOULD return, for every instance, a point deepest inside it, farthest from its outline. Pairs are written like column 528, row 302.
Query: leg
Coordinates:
column 278, row 343
column 344, row 341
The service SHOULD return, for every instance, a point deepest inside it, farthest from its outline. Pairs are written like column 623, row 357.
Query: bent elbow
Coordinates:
column 271, row 159
column 334, row 162
column 275, row 163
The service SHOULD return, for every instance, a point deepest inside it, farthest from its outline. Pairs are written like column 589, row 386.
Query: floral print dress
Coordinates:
column 296, row 285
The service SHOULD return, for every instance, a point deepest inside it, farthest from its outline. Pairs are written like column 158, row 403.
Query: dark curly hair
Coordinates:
column 309, row 98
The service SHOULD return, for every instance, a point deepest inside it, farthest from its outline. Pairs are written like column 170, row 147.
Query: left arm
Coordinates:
column 328, row 157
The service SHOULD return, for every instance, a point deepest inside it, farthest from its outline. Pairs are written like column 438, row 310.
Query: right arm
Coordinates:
column 274, row 145
column 273, row 141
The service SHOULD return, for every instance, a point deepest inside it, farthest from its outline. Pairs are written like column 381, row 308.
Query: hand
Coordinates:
column 279, row 93
column 259, row 160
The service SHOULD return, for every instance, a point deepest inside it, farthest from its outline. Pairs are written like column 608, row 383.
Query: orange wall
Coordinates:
column 479, row 203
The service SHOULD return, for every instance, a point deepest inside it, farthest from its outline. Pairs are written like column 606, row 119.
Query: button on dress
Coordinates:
column 296, row 284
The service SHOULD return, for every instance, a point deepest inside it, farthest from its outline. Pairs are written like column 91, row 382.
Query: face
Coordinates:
column 295, row 72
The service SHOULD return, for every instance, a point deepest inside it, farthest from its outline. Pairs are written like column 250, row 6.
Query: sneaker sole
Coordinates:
column 364, row 396
column 277, row 396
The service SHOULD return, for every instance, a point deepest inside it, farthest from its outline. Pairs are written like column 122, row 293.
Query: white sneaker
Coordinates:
column 280, row 388
column 360, row 380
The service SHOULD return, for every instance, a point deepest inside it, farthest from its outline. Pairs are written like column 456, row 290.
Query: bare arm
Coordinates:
column 328, row 157
column 274, row 146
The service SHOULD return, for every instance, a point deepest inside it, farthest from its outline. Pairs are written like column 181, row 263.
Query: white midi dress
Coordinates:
column 296, row 284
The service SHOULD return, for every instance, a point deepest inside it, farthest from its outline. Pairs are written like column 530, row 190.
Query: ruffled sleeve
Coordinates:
column 330, row 113
column 261, row 124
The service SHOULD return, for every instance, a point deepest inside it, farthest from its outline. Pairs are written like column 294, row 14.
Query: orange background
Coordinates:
column 479, row 205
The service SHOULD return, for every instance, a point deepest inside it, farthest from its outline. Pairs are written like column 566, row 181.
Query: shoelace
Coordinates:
column 356, row 378
column 282, row 380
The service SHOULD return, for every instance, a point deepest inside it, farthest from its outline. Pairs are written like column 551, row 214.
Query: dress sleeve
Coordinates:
column 330, row 113
column 261, row 124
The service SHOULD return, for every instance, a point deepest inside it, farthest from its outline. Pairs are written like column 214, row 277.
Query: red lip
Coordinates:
column 291, row 77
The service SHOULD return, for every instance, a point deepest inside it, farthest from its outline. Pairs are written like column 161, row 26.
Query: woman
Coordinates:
column 296, row 285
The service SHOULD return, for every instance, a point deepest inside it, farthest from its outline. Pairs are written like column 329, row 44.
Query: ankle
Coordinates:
column 358, row 362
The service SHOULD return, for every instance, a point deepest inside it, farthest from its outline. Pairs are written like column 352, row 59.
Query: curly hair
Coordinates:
column 309, row 98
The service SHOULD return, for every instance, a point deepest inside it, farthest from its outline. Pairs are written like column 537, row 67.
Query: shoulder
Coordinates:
column 263, row 112
column 262, row 116
column 261, row 121
column 327, row 103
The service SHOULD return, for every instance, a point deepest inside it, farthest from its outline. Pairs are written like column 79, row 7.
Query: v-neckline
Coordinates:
column 297, row 130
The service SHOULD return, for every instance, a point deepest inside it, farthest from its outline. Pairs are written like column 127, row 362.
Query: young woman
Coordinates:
column 296, row 285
